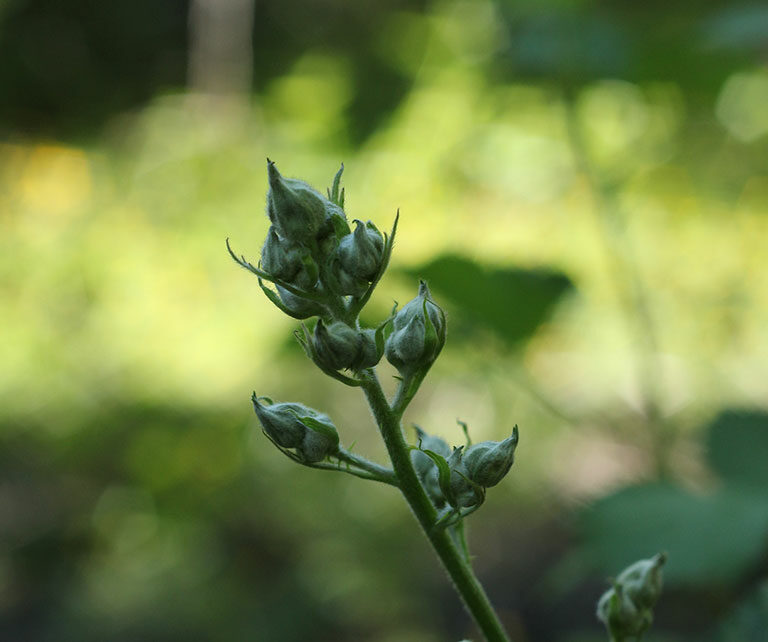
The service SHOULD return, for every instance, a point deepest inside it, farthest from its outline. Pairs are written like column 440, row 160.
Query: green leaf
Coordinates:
column 334, row 191
column 711, row 539
column 509, row 302
column 737, row 447
column 443, row 470
column 340, row 226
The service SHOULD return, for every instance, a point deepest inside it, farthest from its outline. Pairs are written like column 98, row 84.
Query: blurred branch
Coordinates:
column 628, row 285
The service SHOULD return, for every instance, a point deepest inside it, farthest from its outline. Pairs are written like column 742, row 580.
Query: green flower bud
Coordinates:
column 320, row 440
column 418, row 335
column 297, row 210
column 626, row 608
column 348, row 284
column 299, row 307
column 642, row 581
column 338, row 346
column 407, row 347
column 280, row 259
column 463, row 493
column 369, row 354
column 425, row 467
column 415, row 308
column 489, row 461
column 294, row 425
column 360, row 253
column 620, row 616
column 288, row 261
column 280, row 423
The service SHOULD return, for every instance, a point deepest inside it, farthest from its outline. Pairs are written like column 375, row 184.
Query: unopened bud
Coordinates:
column 288, row 261
column 642, row 581
column 489, row 461
column 425, row 467
column 297, row 210
column 418, row 335
column 626, row 608
column 337, row 345
column 294, row 425
column 407, row 346
column 360, row 252
column 463, row 493
column 321, row 438
column 346, row 283
column 620, row 615
column 279, row 258
column 369, row 355
column 299, row 307
column 280, row 423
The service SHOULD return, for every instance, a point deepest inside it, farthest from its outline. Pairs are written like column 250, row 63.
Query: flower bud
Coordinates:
column 294, row 425
column 642, row 581
column 278, row 258
column 297, row 210
column 288, row 261
column 626, row 608
column 360, row 253
column 299, row 307
column 320, row 440
column 425, row 467
column 280, row 423
column 489, row 461
column 407, row 346
column 338, row 346
column 369, row 355
column 463, row 493
column 347, row 283
column 418, row 335
column 415, row 308
column 620, row 616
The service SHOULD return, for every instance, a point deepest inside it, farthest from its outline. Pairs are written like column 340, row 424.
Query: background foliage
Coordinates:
column 584, row 186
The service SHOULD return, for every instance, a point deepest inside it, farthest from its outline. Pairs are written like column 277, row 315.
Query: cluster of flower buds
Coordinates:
column 418, row 334
column 319, row 268
column 310, row 433
column 459, row 477
column 310, row 251
column 626, row 608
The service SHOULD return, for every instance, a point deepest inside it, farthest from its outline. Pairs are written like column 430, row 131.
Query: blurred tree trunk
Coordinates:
column 220, row 69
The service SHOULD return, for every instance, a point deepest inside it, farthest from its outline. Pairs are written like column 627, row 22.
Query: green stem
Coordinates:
column 381, row 473
column 458, row 568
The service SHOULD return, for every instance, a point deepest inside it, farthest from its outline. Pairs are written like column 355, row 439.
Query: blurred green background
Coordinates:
column 585, row 186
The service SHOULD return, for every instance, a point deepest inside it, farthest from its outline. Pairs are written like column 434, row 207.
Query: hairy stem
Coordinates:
column 387, row 475
column 454, row 561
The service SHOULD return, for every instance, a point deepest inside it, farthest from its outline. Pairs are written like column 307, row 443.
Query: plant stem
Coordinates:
column 458, row 568
column 381, row 473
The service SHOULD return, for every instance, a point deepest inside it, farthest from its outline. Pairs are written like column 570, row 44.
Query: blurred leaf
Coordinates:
column 510, row 302
column 710, row 539
column 737, row 446
column 749, row 621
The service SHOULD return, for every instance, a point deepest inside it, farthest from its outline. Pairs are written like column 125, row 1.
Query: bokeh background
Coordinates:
column 585, row 186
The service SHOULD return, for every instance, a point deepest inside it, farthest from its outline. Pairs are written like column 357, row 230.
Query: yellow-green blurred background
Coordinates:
column 585, row 186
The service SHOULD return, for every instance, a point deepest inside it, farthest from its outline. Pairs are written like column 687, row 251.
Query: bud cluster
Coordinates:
column 459, row 477
column 310, row 251
column 626, row 608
